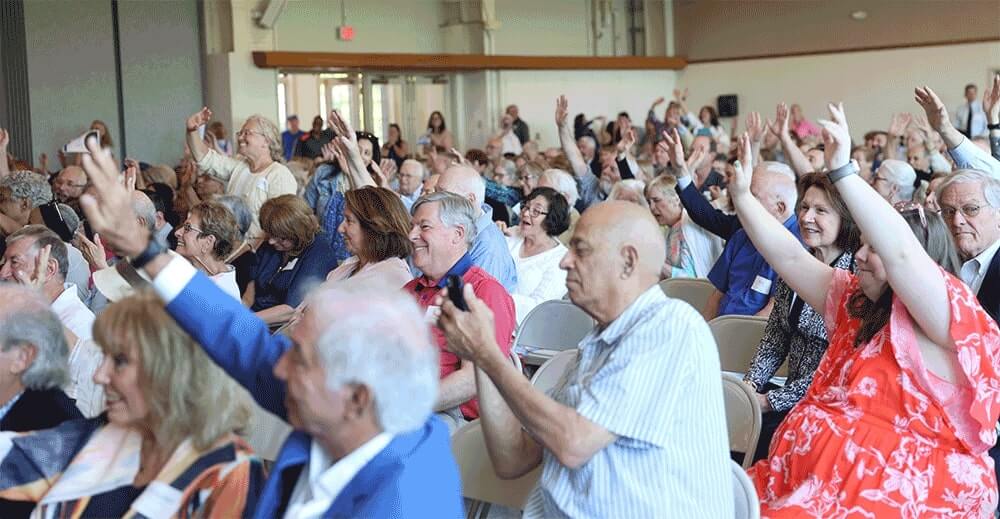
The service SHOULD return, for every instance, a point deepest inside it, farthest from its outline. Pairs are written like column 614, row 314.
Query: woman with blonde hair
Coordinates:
column 167, row 446
column 257, row 173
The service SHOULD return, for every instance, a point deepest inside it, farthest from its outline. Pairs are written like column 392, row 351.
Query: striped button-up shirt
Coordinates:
column 651, row 378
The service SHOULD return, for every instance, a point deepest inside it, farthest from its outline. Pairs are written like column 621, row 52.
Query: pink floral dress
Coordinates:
column 877, row 435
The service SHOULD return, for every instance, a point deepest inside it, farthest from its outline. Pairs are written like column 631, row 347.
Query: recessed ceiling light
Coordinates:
column 859, row 15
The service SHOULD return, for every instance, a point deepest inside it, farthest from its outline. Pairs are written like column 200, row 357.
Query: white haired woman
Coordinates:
column 257, row 173
column 565, row 184
column 691, row 250
column 166, row 446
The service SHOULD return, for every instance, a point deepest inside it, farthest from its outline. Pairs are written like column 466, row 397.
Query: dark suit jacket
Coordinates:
column 989, row 292
column 37, row 410
column 34, row 411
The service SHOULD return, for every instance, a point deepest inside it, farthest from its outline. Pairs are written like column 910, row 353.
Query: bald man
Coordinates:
column 489, row 252
column 637, row 426
column 743, row 280
column 69, row 186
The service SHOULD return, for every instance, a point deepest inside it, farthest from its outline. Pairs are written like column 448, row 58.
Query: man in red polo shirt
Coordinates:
column 444, row 227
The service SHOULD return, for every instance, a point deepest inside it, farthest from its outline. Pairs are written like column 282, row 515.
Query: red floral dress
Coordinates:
column 877, row 435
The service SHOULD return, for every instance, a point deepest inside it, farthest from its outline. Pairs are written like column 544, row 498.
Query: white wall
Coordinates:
column 380, row 26
column 591, row 92
column 71, row 71
column 872, row 85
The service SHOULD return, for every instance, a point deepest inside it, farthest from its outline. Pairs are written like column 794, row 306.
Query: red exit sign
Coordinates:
column 345, row 32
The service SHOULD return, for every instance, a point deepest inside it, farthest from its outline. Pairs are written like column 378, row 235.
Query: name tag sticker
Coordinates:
column 432, row 314
column 291, row 264
column 761, row 285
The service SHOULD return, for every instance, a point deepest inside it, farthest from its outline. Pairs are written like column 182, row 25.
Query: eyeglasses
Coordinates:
column 242, row 133
column 186, row 228
column 877, row 178
column 533, row 211
column 908, row 206
column 969, row 211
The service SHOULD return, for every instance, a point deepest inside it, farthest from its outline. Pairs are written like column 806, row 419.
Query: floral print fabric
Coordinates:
column 876, row 435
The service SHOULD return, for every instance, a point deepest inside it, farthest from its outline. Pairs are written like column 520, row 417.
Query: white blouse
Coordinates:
column 539, row 277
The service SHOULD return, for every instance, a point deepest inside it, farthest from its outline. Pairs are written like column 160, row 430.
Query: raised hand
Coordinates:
column 780, row 125
column 626, row 142
column 381, row 180
column 562, row 110
column 696, row 158
column 36, row 278
column 199, row 119
column 680, row 96
column 899, row 124
column 43, row 163
column 131, row 174
column 755, row 126
column 658, row 101
column 937, row 114
column 675, row 151
column 4, row 141
column 388, row 167
column 738, row 179
column 93, row 251
column 836, row 137
column 991, row 100
column 108, row 205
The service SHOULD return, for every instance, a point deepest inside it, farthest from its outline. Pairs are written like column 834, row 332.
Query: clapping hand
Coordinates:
column 108, row 205
column 780, row 125
column 93, row 251
column 131, row 174
column 899, row 124
column 199, row 119
column 836, row 137
column 626, row 142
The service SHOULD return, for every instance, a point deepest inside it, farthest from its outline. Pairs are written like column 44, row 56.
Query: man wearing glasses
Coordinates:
column 69, row 186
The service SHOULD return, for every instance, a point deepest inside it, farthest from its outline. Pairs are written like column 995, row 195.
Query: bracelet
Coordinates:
column 995, row 126
column 851, row 168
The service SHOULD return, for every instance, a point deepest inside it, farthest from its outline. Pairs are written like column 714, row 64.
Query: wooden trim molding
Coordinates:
column 458, row 62
column 845, row 50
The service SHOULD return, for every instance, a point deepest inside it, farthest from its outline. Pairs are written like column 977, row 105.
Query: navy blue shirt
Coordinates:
column 745, row 279
column 279, row 281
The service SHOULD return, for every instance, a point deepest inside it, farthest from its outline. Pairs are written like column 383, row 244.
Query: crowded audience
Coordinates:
column 369, row 291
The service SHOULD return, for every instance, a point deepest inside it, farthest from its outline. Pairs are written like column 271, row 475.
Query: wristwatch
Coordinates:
column 152, row 250
column 994, row 126
column 851, row 168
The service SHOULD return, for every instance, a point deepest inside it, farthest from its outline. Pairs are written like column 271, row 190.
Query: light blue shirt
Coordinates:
column 978, row 118
column 651, row 378
column 409, row 200
column 969, row 156
column 490, row 253
column 10, row 403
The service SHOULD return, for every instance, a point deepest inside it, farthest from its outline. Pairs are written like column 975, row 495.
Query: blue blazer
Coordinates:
column 414, row 476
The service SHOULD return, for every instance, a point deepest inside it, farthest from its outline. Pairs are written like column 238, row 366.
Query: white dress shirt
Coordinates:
column 978, row 118
column 974, row 271
column 322, row 480
column 84, row 356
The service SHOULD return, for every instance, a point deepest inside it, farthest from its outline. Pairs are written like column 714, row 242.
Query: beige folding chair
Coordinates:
column 552, row 371
column 480, row 483
column 743, row 417
column 551, row 327
column 744, row 493
column 737, row 337
column 693, row 291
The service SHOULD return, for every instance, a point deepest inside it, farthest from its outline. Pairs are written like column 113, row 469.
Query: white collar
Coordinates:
column 326, row 479
column 67, row 297
column 984, row 258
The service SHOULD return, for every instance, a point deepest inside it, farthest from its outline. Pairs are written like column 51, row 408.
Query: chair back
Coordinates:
column 548, row 376
column 480, row 482
column 737, row 337
column 551, row 327
column 693, row 291
column 744, row 494
column 743, row 416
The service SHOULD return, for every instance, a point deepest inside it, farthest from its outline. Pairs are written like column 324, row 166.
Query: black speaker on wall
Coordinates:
column 727, row 106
